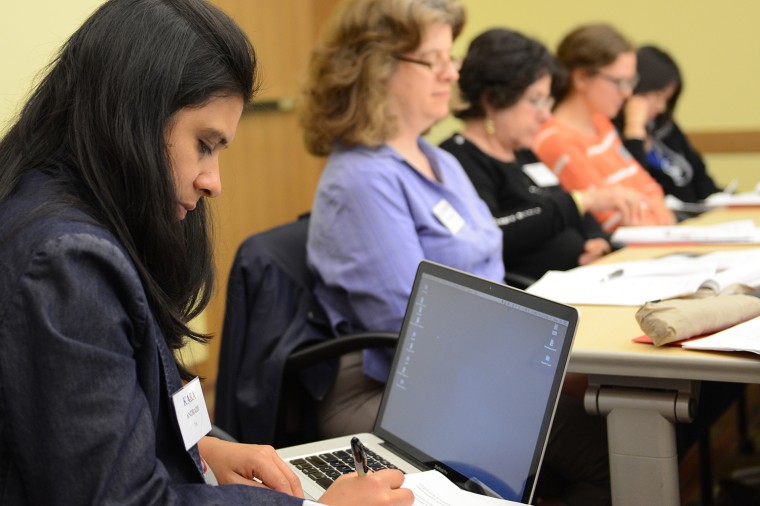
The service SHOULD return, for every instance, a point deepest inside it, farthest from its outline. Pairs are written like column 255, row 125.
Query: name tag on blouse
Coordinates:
column 540, row 174
column 192, row 414
column 448, row 216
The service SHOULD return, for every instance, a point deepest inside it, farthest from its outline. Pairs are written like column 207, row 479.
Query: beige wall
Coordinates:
column 30, row 34
column 716, row 43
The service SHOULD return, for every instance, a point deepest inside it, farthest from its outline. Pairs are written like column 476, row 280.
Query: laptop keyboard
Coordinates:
column 325, row 468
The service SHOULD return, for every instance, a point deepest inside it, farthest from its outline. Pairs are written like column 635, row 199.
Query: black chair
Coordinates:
column 517, row 280
column 278, row 358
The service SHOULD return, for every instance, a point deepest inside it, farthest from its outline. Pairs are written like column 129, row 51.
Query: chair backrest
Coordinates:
column 270, row 313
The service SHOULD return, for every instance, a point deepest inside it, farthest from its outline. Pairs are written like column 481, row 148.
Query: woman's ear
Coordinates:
column 485, row 105
column 580, row 78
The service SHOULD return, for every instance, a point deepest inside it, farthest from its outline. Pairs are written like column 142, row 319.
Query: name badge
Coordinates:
column 540, row 174
column 192, row 414
column 448, row 216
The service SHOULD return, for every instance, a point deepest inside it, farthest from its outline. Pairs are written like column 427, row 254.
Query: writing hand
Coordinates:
column 381, row 488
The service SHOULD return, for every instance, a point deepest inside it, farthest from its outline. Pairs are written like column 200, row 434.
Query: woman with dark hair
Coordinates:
column 580, row 144
column 651, row 134
column 105, row 257
column 505, row 82
column 381, row 76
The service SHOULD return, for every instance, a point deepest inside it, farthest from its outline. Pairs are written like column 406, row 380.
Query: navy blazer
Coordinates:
column 86, row 377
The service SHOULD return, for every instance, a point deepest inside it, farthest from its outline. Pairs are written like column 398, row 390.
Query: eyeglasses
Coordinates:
column 541, row 102
column 436, row 66
column 620, row 83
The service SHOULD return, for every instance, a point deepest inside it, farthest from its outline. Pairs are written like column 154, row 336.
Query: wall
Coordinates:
column 30, row 35
column 716, row 44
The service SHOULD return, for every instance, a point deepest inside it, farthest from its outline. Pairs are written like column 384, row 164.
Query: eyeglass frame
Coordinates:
column 452, row 61
column 542, row 103
column 620, row 83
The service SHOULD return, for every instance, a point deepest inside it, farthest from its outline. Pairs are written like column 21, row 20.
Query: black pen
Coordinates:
column 360, row 456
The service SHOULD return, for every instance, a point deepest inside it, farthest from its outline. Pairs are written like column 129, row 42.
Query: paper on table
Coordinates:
column 634, row 283
column 676, row 204
column 572, row 287
column 742, row 337
column 431, row 488
column 740, row 231
column 714, row 201
column 736, row 199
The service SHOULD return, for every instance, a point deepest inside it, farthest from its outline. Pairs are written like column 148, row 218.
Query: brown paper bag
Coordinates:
column 672, row 320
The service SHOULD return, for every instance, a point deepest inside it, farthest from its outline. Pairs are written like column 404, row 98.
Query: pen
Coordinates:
column 360, row 456
column 612, row 275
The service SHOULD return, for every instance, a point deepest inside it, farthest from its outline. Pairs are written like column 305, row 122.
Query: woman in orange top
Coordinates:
column 580, row 143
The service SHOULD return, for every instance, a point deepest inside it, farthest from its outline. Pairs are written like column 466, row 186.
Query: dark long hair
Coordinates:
column 500, row 65
column 96, row 124
column 657, row 70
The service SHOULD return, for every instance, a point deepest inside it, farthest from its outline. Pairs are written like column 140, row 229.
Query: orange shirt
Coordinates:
column 582, row 162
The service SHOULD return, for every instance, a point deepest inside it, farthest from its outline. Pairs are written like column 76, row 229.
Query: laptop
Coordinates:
column 471, row 392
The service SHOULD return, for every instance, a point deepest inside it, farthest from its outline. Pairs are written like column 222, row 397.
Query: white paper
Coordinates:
column 734, row 232
column 736, row 199
column 636, row 282
column 676, row 204
column 742, row 337
column 431, row 488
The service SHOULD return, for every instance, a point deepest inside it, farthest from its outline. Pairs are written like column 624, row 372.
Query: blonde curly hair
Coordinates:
column 345, row 97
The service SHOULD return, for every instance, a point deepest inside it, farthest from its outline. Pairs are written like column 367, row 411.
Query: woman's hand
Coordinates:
column 635, row 207
column 247, row 464
column 593, row 249
column 381, row 488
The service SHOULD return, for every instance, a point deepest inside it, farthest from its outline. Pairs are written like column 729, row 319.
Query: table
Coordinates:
column 643, row 390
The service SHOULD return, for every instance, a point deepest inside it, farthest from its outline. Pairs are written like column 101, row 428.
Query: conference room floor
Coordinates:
column 726, row 457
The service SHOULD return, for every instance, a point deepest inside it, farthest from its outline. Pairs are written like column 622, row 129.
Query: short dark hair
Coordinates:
column 97, row 122
column 500, row 65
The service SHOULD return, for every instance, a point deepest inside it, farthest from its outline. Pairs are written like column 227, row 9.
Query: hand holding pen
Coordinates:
column 382, row 488
column 360, row 456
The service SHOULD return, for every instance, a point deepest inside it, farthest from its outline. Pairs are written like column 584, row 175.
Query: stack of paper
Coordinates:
column 716, row 200
column 741, row 231
column 431, row 488
column 634, row 283
column 742, row 337
column 750, row 199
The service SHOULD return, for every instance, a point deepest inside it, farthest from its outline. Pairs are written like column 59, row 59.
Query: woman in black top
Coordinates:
column 543, row 228
column 506, row 80
column 652, row 136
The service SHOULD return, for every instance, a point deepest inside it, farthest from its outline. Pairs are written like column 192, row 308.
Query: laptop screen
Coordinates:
column 484, row 364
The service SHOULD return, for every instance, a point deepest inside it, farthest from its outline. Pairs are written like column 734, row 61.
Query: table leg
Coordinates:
column 643, row 459
column 641, row 436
